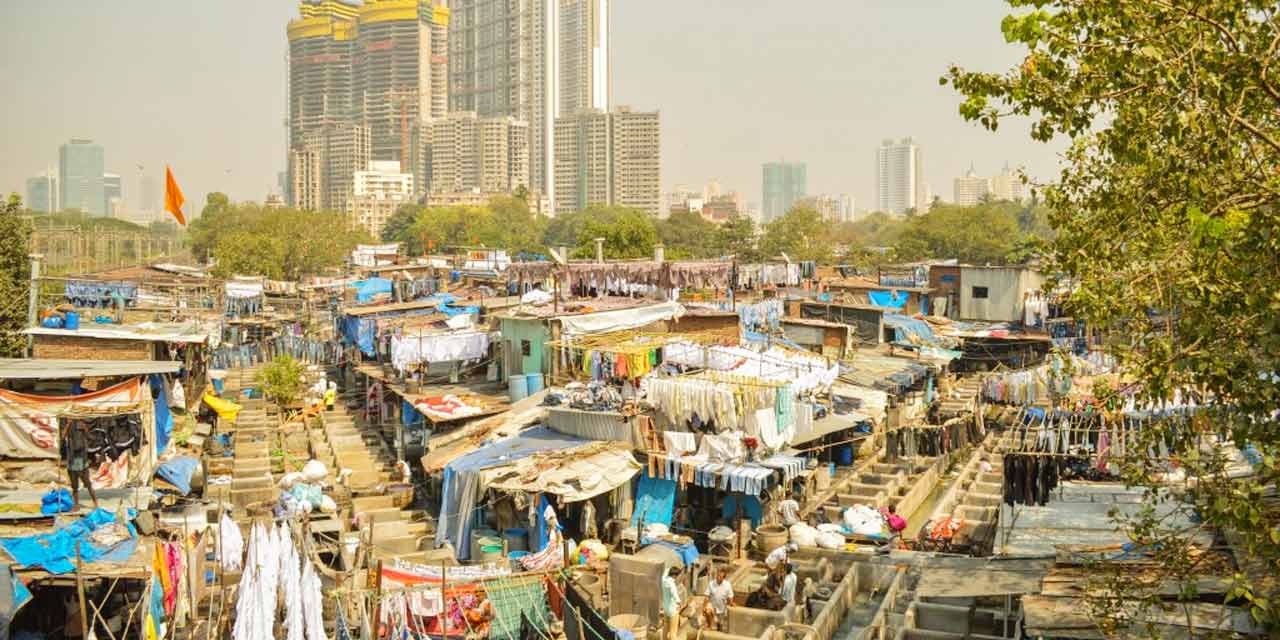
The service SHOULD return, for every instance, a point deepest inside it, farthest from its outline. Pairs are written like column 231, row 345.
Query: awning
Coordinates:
column 621, row 319
column 52, row 369
column 574, row 474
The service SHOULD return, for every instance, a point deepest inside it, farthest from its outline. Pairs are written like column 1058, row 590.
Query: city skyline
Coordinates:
column 833, row 117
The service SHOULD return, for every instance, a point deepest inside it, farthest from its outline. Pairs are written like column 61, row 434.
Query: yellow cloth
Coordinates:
column 330, row 397
column 13, row 507
column 226, row 409
column 586, row 361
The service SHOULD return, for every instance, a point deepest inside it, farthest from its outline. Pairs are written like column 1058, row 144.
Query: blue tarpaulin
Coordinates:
column 164, row 419
column 366, row 290
column 178, row 472
column 750, row 508
column 445, row 300
column 888, row 299
column 655, row 499
column 56, row 552
column 461, row 484
column 362, row 332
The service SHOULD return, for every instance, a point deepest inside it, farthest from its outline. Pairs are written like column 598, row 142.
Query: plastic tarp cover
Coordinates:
column 164, row 419
column 462, row 481
column 361, row 332
column 56, row 551
column 751, row 508
column 29, row 423
column 178, row 472
column 226, row 409
column 365, row 291
column 621, row 319
column 574, row 474
column 888, row 299
column 655, row 500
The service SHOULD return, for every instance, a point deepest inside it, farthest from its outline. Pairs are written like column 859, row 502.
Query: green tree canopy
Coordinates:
column 686, row 234
column 801, row 234
column 982, row 234
column 15, row 277
column 737, row 237
column 502, row 223
column 627, row 233
column 282, row 244
column 1168, row 204
column 401, row 220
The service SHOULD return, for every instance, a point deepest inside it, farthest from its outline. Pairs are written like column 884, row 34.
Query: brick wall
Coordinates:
column 85, row 348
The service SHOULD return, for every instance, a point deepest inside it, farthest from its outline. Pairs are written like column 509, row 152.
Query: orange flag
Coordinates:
column 173, row 196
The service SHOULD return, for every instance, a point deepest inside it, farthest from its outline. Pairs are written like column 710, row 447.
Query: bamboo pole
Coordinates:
column 84, row 616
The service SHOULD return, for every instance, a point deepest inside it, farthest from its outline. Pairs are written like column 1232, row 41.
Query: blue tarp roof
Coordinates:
column 365, row 291
column 461, row 482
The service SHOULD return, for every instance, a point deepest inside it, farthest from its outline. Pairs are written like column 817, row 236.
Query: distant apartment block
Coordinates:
column 834, row 208
column 112, row 193
column 900, row 182
column 80, row 171
column 610, row 158
column 42, row 192
column 324, row 165
column 467, row 152
column 971, row 188
column 783, row 184
column 1008, row 186
column 376, row 193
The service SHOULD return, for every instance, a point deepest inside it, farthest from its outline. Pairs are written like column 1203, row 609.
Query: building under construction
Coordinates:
column 362, row 76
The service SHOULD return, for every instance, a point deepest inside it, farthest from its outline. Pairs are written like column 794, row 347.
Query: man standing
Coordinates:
column 719, row 597
column 778, row 558
column 788, row 592
column 117, row 305
column 789, row 511
column 671, row 602
column 74, row 449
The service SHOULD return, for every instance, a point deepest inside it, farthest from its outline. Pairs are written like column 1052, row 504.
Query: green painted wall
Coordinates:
column 536, row 333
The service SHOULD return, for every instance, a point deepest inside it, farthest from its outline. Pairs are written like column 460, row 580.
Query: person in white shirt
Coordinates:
column 789, row 510
column 671, row 602
column 719, row 596
column 778, row 558
column 789, row 585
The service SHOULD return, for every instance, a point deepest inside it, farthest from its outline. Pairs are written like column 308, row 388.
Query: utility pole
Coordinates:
column 33, row 299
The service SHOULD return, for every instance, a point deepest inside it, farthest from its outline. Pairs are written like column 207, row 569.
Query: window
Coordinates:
column 525, row 346
column 979, row 293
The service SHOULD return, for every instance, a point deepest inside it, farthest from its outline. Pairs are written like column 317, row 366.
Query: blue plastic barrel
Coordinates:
column 217, row 386
column 535, row 382
column 844, row 455
column 72, row 320
column 518, row 387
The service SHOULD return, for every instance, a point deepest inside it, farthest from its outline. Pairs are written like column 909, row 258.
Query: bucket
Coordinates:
column 518, row 387
column 477, row 535
column 535, row 382
column 491, row 553
column 72, row 320
column 770, row 537
column 844, row 455
column 636, row 624
column 517, row 539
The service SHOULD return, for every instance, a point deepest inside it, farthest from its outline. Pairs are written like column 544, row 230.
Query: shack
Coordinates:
column 996, row 294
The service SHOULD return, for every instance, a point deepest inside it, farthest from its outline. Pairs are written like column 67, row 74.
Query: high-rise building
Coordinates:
column 846, row 207
column 400, row 71
column 467, row 152
column 784, row 183
column 42, row 192
column 584, row 55
column 1008, row 186
column 971, row 188
column 376, row 193
column 379, row 66
column 610, row 158
column 533, row 60
column 80, row 169
column 324, row 165
column 900, row 177
column 112, row 193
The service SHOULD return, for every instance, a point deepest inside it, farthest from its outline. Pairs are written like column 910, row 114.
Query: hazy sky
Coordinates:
column 200, row 85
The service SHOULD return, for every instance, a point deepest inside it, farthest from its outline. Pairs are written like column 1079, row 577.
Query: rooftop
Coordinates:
column 24, row 369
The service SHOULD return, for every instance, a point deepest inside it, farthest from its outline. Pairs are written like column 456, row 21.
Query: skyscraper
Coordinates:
column 970, row 188
column 610, row 158
column 900, row 177
column 112, row 192
column 379, row 66
column 42, row 192
column 80, row 169
column 784, row 183
column 486, row 155
column 1008, row 186
column 534, row 60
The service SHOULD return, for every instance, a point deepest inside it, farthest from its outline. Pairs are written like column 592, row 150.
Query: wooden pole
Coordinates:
column 377, row 601
column 444, row 606
column 84, row 616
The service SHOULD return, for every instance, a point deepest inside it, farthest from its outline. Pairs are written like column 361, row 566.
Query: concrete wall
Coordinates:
column 1005, row 287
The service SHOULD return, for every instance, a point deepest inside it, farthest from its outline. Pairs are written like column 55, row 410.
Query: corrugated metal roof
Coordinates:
column 38, row 369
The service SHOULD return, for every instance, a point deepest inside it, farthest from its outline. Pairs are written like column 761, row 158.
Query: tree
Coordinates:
column 399, row 221
column 627, row 233
column 686, row 234
column 247, row 239
column 801, row 234
column 15, row 277
column 737, row 237
column 981, row 234
column 1168, row 224
column 281, row 380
